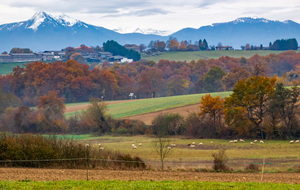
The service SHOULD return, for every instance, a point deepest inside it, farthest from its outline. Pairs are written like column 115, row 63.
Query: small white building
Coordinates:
column 126, row 60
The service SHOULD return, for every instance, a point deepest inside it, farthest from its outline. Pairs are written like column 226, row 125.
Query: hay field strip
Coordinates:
column 196, row 55
column 143, row 106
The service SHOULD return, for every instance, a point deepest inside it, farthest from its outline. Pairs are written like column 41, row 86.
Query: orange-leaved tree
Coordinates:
column 212, row 106
column 52, row 116
column 249, row 102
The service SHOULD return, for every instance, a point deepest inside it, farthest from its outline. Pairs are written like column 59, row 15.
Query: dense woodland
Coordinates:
column 259, row 107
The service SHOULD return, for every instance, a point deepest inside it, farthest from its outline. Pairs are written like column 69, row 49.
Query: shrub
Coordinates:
column 220, row 160
column 66, row 151
column 252, row 167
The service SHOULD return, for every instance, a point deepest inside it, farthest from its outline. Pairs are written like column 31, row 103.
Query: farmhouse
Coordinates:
column 60, row 54
column 224, row 48
column 117, row 58
column 105, row 55
column 133, row 47
column 5, row 58
column 26, row 57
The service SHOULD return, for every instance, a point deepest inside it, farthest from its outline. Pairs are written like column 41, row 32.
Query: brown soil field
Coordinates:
column 85, row 106
column 184, row 111
column 14, row 174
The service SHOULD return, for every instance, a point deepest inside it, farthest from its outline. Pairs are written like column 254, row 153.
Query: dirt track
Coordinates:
column 15, row 174
column 184, row 111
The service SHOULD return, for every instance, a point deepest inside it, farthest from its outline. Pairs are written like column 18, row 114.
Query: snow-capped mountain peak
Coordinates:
column 254, row 19
column 37, row 19
column 66, row 20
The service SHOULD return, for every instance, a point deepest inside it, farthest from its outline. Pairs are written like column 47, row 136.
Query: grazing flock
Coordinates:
column 193, row 145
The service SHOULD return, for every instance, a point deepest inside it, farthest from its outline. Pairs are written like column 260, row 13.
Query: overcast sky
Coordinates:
column 169, row 15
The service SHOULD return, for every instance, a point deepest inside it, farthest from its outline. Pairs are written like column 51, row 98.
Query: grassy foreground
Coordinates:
column 196, row 55
column 141, row 185
column 153, row 104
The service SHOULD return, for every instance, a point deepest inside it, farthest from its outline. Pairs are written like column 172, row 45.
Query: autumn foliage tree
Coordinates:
column 249, row 102
column 213, row 107
column 52, row 117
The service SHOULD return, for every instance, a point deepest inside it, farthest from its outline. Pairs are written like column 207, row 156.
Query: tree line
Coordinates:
column 258, row 107
column 146, row 79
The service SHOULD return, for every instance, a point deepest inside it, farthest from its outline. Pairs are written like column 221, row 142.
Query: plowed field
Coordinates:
column 15, row 174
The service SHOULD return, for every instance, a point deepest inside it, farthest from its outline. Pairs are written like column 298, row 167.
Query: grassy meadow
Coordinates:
column 143, row 106
column 141, row 185
column 6, row 68
column 279, row 155
column 196, row 55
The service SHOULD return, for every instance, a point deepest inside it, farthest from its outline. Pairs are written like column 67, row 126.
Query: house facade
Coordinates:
column 133, row 47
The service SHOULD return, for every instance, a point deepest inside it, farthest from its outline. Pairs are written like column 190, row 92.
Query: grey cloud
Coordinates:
column 86, row 6
column 205, row 3
column 141, row 13
column 260, row 10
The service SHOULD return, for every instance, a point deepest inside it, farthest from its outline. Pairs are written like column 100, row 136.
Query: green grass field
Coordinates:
column 271, row 149
column 196, row 55
column 6, row 68
column 141, row 185
column 152, row 105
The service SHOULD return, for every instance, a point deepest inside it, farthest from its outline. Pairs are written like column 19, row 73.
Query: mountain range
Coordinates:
column 46, row 32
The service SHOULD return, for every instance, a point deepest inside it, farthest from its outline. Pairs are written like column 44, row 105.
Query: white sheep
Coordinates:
column 242, row 140
column 251, row 143
column 101, row 148
column 211, row 142
column 173, row 145
column 231, row 141
column 192, row 146
column 261, row 141
column 99, row 144
column 140, row 144
column 255, row 141
column 201, row 143
column 134, row 147
column 291, row 142
column 169, row 148
column 193, row 143
column 87, row 145
column 297, row 141
column 235, row 141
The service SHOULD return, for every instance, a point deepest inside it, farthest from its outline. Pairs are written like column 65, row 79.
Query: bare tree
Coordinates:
column 163, row 149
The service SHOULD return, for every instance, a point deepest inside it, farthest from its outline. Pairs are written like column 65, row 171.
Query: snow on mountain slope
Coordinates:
column 66, row 20
column 127, row 30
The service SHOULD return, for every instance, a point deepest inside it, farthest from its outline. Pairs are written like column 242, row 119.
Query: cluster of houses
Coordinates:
column 89, row 54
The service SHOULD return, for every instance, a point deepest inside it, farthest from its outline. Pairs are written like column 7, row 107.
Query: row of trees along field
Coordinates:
column 174, row 45
column 257, row 108
column 78, row 82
